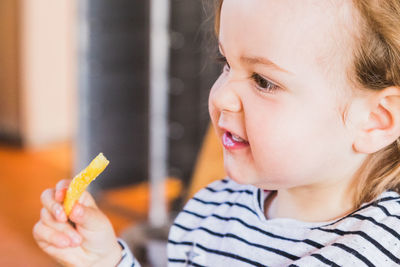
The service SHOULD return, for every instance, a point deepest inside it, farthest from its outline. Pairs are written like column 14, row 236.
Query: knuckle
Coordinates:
column 45, row 216
column 46, row 194
column 36, row 231
column 43, row 195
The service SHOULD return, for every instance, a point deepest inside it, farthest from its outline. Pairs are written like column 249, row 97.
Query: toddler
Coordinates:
column 307, row 108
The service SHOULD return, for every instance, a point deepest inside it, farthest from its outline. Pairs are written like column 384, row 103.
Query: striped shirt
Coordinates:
column 224, row 225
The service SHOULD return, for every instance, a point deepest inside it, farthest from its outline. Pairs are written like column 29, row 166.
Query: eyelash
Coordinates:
column 263, row 84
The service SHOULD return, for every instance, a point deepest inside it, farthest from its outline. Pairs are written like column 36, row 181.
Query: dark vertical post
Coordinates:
column 113, row 88
column 192, row 75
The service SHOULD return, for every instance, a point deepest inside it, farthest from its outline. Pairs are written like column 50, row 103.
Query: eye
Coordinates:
column 263, row 84
column 221, row 59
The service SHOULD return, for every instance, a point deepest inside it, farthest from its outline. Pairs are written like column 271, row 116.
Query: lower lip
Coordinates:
column 229, row 143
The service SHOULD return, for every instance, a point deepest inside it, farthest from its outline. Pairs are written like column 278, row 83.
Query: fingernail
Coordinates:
column 59, row 211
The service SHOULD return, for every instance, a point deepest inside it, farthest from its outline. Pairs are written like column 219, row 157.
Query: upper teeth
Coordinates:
column 237, row 138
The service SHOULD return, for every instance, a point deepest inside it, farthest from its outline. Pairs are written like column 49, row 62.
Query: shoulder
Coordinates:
column 372, row 232
column 383, row 212
column 385, row 209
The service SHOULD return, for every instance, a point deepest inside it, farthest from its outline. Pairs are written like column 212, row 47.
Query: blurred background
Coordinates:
column 80, row 77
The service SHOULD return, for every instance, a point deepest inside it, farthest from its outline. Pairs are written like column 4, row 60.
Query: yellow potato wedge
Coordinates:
column 82, row 180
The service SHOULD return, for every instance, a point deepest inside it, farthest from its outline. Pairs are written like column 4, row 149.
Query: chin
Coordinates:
column 240, row 177
column 235, row 176
column 247, row 179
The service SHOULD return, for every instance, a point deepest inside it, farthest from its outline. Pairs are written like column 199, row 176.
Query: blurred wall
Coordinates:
column 9, row 100
column 48, row 63
column 37, row 71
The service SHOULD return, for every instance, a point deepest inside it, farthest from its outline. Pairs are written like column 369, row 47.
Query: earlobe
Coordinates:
column 383, row 124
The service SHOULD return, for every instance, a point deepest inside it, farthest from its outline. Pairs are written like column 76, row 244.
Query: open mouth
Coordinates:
column 237, row 138
column 232, row 141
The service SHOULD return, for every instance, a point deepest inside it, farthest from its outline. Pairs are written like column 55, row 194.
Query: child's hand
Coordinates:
column 92, row 242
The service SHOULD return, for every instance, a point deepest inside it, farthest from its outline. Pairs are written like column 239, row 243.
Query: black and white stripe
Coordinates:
column 224, row 225
column 230, row 233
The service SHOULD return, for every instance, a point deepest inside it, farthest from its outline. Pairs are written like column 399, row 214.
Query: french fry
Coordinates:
column 82, row 180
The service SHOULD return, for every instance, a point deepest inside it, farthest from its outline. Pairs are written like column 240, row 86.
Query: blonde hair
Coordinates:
column 376, row 66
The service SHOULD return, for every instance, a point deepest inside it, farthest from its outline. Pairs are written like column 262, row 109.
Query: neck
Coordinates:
column 311, row 203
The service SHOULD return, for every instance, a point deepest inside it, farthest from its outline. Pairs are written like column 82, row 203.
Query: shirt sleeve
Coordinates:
column 127, row 259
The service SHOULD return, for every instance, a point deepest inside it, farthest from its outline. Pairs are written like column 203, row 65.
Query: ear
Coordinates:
column 382, row 126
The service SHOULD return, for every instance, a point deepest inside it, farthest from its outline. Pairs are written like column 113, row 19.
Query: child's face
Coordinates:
column 294, row 127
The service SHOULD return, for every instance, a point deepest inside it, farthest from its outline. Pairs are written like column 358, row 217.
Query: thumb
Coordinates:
column 87, row 200
column 87, row 215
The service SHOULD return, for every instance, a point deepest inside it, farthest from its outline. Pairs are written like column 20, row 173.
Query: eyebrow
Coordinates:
column 258, row 60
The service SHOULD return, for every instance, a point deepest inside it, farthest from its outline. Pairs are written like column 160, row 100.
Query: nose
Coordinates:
column 224, row 96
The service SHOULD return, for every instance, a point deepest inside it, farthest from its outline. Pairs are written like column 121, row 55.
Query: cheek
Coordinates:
column 288, row 143
column 273, row 143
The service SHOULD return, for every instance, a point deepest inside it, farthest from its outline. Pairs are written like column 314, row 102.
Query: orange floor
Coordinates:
column 25, row 174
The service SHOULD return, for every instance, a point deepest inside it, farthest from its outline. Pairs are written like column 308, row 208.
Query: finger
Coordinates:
column 60, row 194
column 65, row 228
column 44, row 234
column 87, row 200
column 88, row 217
column 63, row 184
column 54, row 207
column 61, row 189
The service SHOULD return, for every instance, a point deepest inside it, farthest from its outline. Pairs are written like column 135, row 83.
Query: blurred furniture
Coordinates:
column 210, row 163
